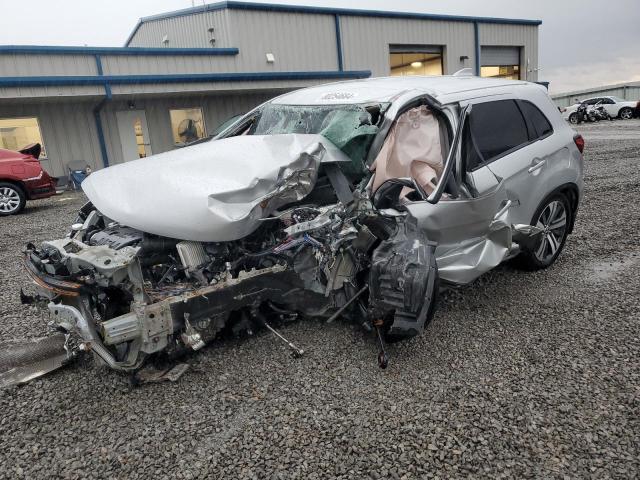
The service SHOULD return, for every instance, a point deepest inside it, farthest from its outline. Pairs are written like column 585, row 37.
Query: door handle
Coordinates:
column 538, row 165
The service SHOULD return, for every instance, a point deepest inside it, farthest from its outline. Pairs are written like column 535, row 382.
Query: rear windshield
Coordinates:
column 351, row 128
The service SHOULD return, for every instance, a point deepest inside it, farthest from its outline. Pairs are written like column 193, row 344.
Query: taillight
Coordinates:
column 563, row 110
column 579, row 141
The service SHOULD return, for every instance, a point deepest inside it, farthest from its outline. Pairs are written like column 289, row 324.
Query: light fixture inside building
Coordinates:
column 416, row 64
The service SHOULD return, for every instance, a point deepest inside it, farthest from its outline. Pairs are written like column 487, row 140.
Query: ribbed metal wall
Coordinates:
column 366, row 41
column 524, row 36
column 299, row 41
column 216, row 109
column 166, row 64
column 189, row 31
column 629, row 91
column 68, row 132
column 73, row 93
column 212, row 87
column 26, row 65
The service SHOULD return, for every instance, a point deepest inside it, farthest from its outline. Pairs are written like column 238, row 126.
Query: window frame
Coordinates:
column 204, row 124
column 528, row 125
column 44, row 153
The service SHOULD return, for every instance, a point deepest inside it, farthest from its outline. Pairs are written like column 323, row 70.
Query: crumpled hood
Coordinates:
column 214, row 191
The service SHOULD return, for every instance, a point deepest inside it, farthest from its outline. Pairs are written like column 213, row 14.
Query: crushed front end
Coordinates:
column 127, row 294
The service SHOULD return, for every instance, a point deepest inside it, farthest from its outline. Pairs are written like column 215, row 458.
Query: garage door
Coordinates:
column 496, row 56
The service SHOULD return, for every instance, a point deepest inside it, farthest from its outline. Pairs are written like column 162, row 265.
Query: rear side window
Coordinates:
column 497, row 127
column 537, row 121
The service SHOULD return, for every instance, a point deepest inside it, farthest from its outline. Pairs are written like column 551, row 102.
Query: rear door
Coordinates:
column 510, row 136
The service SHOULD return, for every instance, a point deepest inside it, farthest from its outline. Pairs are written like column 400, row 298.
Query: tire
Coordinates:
column 573, row 118
column 625, row 113
column 552, row 240
column 12, row 199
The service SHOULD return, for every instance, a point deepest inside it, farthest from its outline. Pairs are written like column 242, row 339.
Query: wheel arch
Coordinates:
column 622, row 109
column 18, row 184
column 571, row 191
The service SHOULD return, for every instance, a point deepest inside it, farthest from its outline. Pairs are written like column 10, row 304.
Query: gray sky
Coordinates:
column 583, row 43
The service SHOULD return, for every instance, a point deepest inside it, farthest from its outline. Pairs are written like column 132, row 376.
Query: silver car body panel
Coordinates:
column 476, row 234
column 212, row 192
column 473, row 234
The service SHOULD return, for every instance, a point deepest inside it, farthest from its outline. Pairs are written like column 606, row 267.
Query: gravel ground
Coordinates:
column 519, row 375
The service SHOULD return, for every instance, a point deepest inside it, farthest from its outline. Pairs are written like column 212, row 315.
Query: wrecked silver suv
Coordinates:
column 355, row 199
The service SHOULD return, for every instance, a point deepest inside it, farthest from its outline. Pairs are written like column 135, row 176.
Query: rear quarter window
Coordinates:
column 539, row 126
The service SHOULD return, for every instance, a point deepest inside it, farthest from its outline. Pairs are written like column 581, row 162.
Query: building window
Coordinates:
column 187, row 125
column 17, row 133
column 508, row 72
column 415, row 60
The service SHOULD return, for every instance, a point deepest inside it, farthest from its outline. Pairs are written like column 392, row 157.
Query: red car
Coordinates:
column 22, row 178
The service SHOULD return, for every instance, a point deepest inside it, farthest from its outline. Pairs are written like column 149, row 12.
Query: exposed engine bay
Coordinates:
column 131, row 294
column 316, row 247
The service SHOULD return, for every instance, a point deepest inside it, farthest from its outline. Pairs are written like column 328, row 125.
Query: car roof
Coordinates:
column 386, row 89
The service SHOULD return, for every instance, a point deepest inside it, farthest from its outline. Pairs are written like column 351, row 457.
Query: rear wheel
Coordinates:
column 626, row 113
column 12, row 199
column 573, row 118
column 553, row 217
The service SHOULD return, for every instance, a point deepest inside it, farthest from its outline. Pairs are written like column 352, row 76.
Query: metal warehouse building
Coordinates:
column 181, row 74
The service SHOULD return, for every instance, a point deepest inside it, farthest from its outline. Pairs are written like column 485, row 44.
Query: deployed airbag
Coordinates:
column 411, row 149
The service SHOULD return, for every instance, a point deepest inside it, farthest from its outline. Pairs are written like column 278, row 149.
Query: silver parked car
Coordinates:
column 355, row 199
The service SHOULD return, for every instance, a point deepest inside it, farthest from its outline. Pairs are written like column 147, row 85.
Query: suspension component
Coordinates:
column 383, row 359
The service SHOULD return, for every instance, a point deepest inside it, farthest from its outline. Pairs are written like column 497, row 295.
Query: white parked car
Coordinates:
column 615, row 106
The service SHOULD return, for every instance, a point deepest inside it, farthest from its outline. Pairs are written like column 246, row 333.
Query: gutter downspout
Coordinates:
column 476, row 40
column 336, row 17
column 96, row 114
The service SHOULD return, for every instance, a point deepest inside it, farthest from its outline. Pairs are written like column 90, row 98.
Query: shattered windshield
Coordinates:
column 351, row 128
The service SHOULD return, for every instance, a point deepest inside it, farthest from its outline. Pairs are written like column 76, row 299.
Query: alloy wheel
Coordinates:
column 553, row 222
column 9, row 200
column 626, row 113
